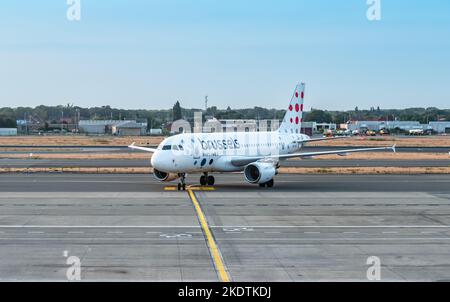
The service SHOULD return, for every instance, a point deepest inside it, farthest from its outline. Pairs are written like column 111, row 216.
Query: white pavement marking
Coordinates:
column 221, row 226
column 337, row 239
column 338, row 226
column 96, row 226
column 254, row 239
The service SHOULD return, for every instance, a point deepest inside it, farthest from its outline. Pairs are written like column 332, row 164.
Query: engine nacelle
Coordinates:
column 259, row 172
column 164, row 176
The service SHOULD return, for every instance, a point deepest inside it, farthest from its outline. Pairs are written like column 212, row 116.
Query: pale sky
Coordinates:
column 148, row 54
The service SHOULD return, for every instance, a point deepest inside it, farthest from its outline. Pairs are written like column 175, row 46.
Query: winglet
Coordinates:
column 393, row 148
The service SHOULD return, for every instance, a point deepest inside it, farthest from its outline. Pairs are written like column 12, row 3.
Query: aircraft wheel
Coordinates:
column 270, row 183
column 211, row 180
column 262, row 185
column 179, row 187
column 203, row 180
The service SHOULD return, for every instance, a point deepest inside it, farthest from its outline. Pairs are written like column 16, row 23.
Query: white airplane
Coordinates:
column 258, row 154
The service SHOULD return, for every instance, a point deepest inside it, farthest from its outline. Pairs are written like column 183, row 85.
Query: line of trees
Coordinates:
column 157, row 118
column 7, row 122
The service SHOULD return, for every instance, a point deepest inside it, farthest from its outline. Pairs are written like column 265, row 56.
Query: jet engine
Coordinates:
column 164, row 176
column 259, row 172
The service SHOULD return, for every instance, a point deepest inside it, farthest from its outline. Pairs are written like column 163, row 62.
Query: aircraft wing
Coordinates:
column 132, row 146
column 242, row 160
column 321, row 139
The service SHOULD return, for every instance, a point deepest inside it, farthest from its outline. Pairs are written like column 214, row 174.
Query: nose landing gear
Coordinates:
column 182, row 183
column 206, row 179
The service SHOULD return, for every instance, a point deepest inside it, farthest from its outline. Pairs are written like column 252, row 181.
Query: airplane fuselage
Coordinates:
column 211, row 152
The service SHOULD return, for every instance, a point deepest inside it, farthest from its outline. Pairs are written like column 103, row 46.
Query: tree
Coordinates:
column 176, row 111
column 319, row 116
column 7, row 122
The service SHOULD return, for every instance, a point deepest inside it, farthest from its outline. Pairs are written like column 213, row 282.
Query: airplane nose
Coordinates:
column 156, row 159
column 161, row 161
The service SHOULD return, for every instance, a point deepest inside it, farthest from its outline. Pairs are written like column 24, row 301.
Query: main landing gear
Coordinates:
column 182, row 183
column 206, row 179
column 268, row 184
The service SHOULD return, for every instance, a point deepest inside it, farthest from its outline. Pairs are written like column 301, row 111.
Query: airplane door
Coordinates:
column 196, row 150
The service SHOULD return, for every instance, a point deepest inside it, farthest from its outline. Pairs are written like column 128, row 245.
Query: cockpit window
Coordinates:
column 180, row 147
column 167, row 147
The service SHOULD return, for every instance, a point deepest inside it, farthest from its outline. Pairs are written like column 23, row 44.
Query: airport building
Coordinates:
column 129, row 129
column 8, row 131
column 307, row 128
column 113, row 127
column 323, row 127
column 390, row 125
column 440, row 127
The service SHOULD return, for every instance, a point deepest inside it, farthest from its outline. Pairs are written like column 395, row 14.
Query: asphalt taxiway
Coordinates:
column 309, row 163
column 306, row 228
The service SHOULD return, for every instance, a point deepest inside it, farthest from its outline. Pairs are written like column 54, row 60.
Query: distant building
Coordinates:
column 128, row 129
column 307, row 128
column 367, row 125
column 390, row 125
column 22, row 126
column 404, row 125
column 323, row 127
column 228, row 125
column 115, row 127
column 8, row 131
column 155, row 132
column 440, row 127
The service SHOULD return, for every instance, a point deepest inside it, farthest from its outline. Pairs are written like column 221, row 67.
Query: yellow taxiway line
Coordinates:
column 194, row 188
column 214, row 250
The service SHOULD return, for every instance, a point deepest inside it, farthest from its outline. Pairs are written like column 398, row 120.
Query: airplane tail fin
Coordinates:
column 293, row 119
